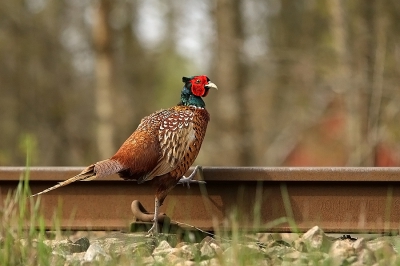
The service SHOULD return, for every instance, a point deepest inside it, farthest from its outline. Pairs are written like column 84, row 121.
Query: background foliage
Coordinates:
column 301, row 83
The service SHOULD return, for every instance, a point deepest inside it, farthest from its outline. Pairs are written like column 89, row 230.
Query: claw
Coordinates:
column 187, row 180
column 153, row 230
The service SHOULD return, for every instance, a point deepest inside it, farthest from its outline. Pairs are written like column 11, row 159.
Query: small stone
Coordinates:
column 110, row 245
column 342, row 252
column 163, row 245
column 381, row 248
column 80, row 245
column 225, row 246
column 315, row 239
column 181, row 244
column 278, row 243
column 172, row 259
column 389, row 260
column 211, row 262
column 350, row 260
column 315, row 256
column 57, row 259
column 162, row 249
column 365, row 257
column 209, row 240
column 292, row 256
column 207, row 251
column 186, row 263
column 253, row 247
column 217, row 249
column 359, row 244
column 141, row 249
column 289, row 237
column 147, row 260
column 95, row 252
column 278, row 251
column 249, row 253
column 158, row 259
column 75, row 257
column 299, row 245
column 187, row 252
column 268, row 237
column 60, row 247
column 172, row 239
column 341, row 249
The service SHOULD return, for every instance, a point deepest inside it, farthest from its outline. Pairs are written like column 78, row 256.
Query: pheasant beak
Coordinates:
column 211, row 85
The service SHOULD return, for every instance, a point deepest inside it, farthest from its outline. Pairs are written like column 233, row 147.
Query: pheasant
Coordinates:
column 162, row 148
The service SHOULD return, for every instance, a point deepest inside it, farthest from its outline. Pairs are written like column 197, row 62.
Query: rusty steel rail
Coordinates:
column 336, row 199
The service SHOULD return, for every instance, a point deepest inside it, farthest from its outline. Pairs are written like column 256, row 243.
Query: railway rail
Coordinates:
column 339, row 200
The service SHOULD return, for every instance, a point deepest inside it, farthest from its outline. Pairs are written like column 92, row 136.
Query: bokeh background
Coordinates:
column 301, row 83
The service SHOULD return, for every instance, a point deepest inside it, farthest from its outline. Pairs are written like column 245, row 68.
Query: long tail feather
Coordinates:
column 97, row 170
column 85, row 174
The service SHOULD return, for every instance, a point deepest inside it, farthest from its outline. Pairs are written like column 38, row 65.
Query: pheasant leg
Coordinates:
column 154, row 229
column 187, row 180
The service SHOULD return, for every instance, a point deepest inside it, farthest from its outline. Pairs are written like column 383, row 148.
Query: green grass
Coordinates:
column 22, row 228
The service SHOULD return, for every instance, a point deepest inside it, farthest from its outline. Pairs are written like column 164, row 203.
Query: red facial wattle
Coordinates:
column 198, row 86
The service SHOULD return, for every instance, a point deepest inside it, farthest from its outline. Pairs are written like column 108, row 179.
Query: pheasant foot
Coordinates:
column 188, row 180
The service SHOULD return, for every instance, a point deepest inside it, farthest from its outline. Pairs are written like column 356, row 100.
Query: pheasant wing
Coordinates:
column 175, row 135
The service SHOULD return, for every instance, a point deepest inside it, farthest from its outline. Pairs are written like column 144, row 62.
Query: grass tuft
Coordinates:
column 22, row 227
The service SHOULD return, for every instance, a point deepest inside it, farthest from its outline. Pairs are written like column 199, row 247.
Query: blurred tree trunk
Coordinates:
column 231, row 75
column 104, row 79
column 342, row 81
column 375, row 50
column 376, row 86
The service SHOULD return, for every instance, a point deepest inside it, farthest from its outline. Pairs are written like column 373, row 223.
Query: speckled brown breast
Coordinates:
column 199, row 126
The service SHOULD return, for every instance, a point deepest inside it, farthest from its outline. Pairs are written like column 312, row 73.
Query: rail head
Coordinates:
column 245, row 174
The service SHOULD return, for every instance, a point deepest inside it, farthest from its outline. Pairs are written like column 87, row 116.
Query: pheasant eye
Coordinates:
column 197, row 81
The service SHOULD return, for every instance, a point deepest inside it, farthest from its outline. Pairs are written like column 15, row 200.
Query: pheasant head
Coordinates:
column 194, row 89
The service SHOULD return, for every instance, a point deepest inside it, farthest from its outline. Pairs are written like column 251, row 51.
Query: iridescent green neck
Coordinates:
column 188, row 99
